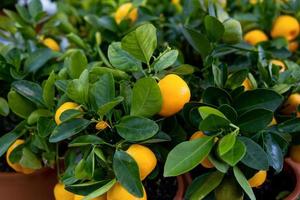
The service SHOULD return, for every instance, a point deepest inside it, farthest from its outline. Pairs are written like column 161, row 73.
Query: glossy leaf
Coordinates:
column 216, row 96
column 205, row 111
column 213, row 123
column 226, row 143
column 134, row 128
column 187, row 155
column 274, row 152
column 4, row 108
column 214, row 28
column 86, row 140
column 49, row 90
column 146, row 98
column 38, row 59
column 241, row 179
column 235, row 154
column 165, row 60
column 141, row 42
column 68, row 129
column 45, row 126
column 127, row 173
column 100, row 191
column 105, row 108
column 78, row 89
column 76, row 63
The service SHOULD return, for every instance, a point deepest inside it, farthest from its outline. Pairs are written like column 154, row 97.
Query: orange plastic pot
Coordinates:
column 38, row 185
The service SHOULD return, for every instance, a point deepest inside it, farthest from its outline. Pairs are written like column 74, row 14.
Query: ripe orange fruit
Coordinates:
column 255, row 36
column 258, row 179
column 175, row 2
column 51, row 44
column 285, row 26
column 295, row 153
column 16, row 166
column 118, row 192
column 280, row 64
column 126, row 11
column 101, row 125
column 60, row 193
column 254, row 1
column 144, row 158
column 79, row 197
column 293, row 46
column 291, row 104
column 247, row 84
column 63, row 108
column 175, row 93
column 205, row 163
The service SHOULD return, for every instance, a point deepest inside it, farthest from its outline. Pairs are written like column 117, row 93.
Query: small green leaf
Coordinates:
column 216, row 96
column 165, row 60
column 133, row 128
column 76, row 63
column 29, row 159
column 235, row 154
column 213, row 123
column 243, row 182
column 20, row 105
column 86, row 140
column 49, row 90
column 35, row 8
column 4, row 108
column 141, row 42
column 121, row 59
column 226, row 143
column 187, row 155
column 9, row 138
column 205, row 111
column 68, row 129
column 105, row 108
column 102, row 190
column 45, row 126
column 146, row 98
column 70, row 114
column 127, row 173
column 78, row 89
column 77, row 40
column 35, row 115
column 214, row 28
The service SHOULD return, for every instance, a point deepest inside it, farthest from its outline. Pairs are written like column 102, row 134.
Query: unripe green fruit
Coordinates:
column 229, row 190
column 233, row 31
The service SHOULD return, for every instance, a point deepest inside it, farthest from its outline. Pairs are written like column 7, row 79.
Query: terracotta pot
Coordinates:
column 17, row 186
column 183, row 181
column 296, row 168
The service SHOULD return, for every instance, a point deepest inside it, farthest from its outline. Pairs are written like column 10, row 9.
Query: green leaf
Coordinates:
column 289, row 126
column 198, row 41
column 141, row 42
column 226, row 143
column 23, row 12
column 4, row 108
column 187, row 155
column 37, row 59
column 45, row 126
column 134, row 128
column 29, row 159
column 259, row 98
column 8, row 139
column 68, row 129
column 35, row 8
column 213, row 123
column 104, row 109
column 20, row 105
column 72, row 37
column 102, row 190
column 159, row 137
column 102, row 91
column 127, row 173
column 209, row 184
column 214, row 28
column 205, row 111
column 36, row 114
column 229, row 112
column 219, row 165
column 274, row 152
column 86, row 140
column 165, row 60
column 197, row 182
column 255, row 120
column 86, row 188
column 121, row 59
column 30, row 90
column 216, row 96
column 183, row 70
column 237, row 78
column 220, row 74
column 146, row 98
column 49, row 90
column 255, row 156
column 235, row 154
column 78, row 89
column 70, row 114
column 80, row 171
column 241, row 179
column 76, row 63
column 98, row 71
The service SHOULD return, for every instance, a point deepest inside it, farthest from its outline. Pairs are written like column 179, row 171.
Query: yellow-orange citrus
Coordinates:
column 255, row 36
column 205, row 163
column 144, row 158
column 117, row 192
column 63, row 108
column 126, row 11
column 258, row 179
column 291, row 104
column 51, row 44
column 175, row 93
column 175, row 2
column 247, row 84
column 293, row 46
column 254, row 1
column 280, row 64
column 60, row 193
column 16, row 166
column 295, row 153
column 79, row 197
column 101, row 125
column 273, row 122
column 285, row 26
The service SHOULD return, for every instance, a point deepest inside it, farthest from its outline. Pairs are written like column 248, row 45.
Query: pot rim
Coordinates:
column 296, row 169
column 20, row 175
